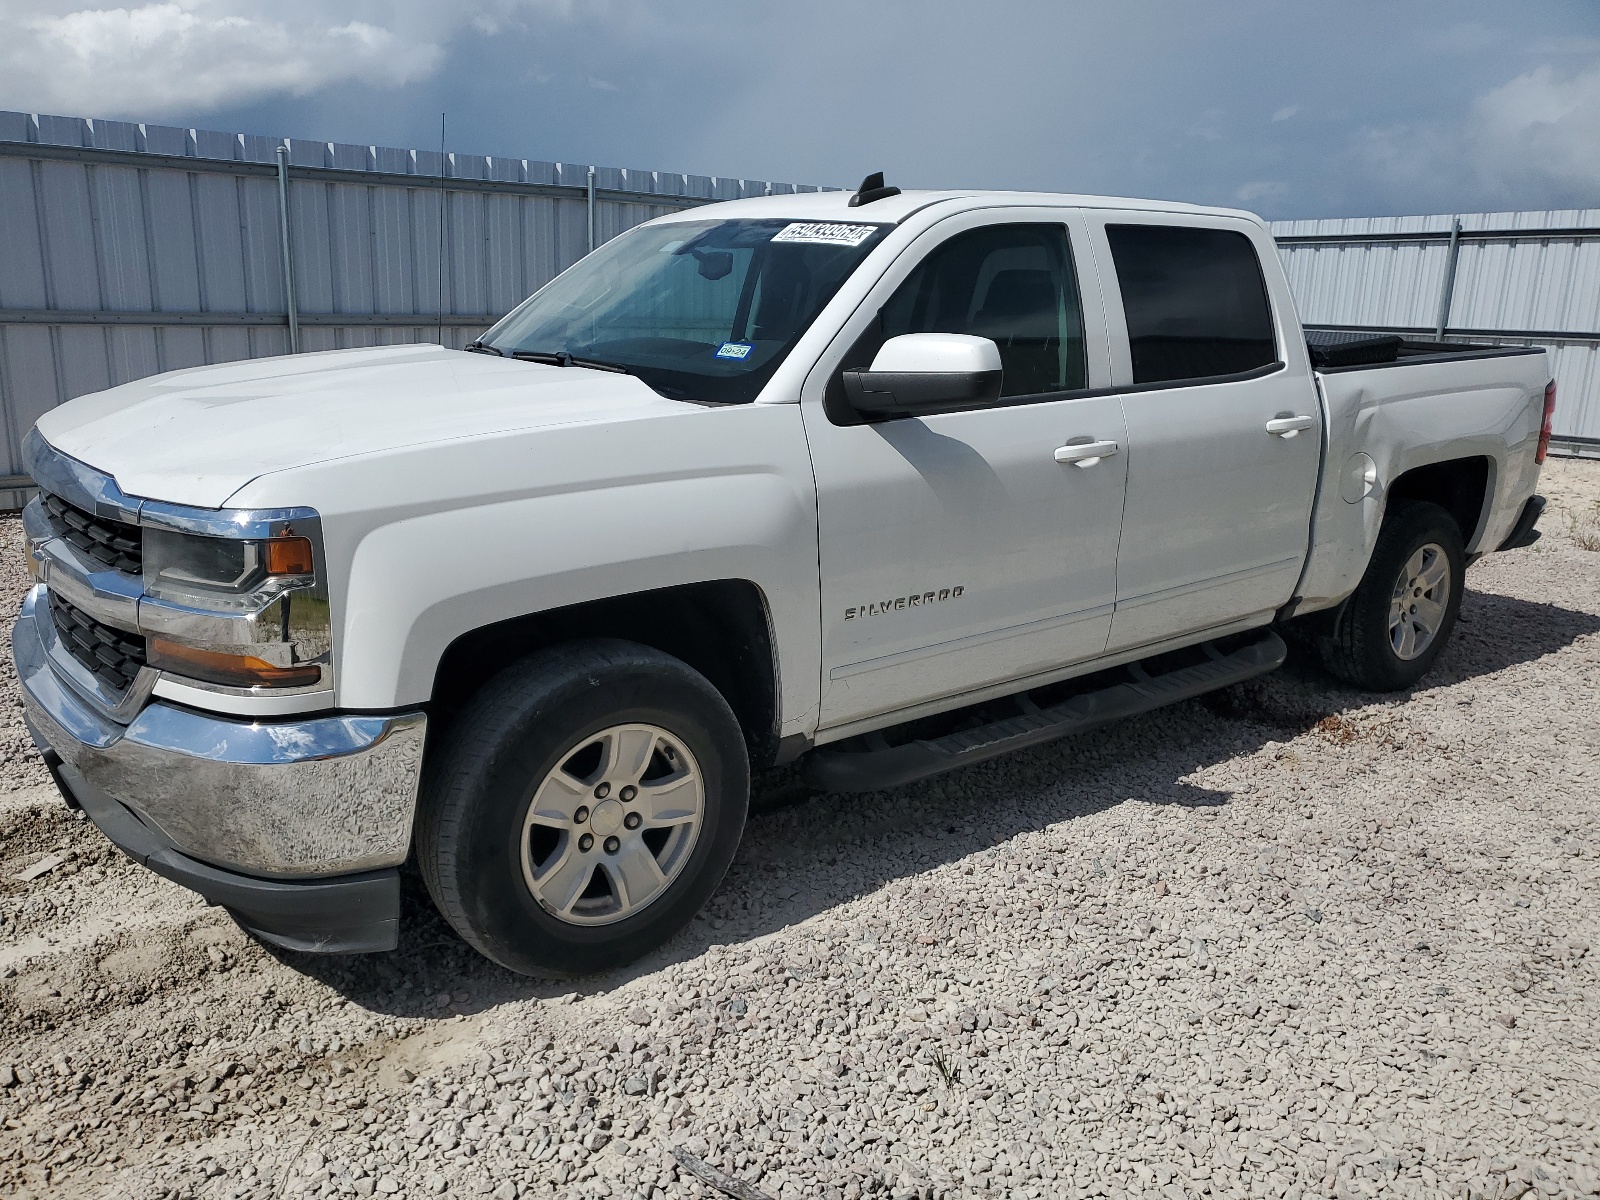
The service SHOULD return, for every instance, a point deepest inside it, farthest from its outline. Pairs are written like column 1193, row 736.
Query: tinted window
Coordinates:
column 1010, row 283
column 1195, row 301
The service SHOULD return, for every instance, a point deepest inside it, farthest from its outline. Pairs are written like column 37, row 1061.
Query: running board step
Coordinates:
column 869, row 767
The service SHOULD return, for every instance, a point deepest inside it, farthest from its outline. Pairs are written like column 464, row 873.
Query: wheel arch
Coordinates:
column 1460, row 486
column 1345, row 533
column 722, row 628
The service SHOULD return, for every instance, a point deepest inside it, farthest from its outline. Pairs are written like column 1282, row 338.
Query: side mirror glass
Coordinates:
column 926, row 373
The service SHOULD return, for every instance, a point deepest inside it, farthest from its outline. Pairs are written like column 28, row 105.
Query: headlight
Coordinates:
column 236, row 612
column 215, row 572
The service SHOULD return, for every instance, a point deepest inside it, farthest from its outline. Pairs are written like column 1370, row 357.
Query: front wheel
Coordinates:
column 1393, row 628
column 583, row 807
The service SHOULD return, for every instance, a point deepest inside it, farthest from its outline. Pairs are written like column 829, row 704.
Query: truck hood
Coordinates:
column 198, row 436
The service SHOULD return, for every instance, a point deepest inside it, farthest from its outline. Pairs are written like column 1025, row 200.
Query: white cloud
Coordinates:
column 1270, row 190
column 180, row 57
column 1284, row 113
column 1546, row 123
column 1537, row 134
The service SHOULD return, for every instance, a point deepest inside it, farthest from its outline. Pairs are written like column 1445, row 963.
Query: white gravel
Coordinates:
column 1287, row 940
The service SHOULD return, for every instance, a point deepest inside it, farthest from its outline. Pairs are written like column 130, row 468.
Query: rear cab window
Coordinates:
column 1195, row 302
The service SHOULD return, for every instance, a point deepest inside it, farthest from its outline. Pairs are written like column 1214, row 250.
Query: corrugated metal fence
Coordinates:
column 1517, row 278
column 130, row 249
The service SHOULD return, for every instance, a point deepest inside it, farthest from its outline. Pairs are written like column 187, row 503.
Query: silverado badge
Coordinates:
column 914, row 600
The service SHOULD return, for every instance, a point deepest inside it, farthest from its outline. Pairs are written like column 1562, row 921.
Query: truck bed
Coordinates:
column 1336, row 348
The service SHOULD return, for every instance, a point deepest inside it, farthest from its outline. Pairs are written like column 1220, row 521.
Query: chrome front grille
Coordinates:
column 114, row 656
column 110, row 543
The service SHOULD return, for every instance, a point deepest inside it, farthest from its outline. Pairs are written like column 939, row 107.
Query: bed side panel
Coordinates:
column 1389, row 420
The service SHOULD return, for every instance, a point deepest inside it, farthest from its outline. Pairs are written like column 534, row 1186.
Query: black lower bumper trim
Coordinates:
column 1523, row 532
column 346, row 914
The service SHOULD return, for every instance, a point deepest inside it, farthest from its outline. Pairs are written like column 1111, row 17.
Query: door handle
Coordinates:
column 1085, row 454
column 1287, row 425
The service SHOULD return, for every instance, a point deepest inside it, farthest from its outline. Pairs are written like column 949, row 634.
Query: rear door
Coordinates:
column 1224, row 427
column 955, row 550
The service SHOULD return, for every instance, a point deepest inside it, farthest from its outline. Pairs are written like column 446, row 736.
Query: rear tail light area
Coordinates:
column 1549, row 417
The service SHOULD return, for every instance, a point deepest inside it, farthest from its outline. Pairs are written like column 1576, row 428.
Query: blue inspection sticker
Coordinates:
column 735, row 350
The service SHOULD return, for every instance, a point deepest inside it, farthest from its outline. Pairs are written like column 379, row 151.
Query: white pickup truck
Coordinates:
column 895, row 482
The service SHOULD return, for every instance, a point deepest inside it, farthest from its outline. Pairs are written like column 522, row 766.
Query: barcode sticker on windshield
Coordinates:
column 826, row 233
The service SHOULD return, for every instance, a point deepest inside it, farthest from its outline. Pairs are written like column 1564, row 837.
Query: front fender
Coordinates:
column 428, row 542
column 493, row 562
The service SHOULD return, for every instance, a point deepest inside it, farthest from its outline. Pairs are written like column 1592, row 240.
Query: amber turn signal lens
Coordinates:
column 289, row 556
column 233, row 670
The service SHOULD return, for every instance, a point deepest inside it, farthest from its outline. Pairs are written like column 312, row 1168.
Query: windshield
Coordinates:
column 702, row 310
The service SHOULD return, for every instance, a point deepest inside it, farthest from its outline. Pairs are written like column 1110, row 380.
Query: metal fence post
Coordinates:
column 1448, row 291
column 288, row 253
column 591, row 209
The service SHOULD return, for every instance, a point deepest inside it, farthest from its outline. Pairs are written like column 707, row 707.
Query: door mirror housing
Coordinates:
column 922, row 373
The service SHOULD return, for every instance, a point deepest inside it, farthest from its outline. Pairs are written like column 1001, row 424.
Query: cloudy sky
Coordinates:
column 1290, row 108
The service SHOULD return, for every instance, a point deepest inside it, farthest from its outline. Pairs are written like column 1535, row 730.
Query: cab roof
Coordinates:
column 835, row 206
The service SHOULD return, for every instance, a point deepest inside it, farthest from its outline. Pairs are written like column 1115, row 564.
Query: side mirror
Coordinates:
column 926, row 373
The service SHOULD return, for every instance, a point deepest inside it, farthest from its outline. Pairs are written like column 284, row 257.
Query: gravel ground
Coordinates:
column 1286, row 940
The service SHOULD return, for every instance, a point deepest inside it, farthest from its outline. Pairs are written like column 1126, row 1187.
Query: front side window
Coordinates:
column 1195, row 301
column 702, row 310
column 1013, row 284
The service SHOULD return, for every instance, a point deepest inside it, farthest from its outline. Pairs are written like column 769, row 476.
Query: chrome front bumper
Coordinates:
column 309, row 805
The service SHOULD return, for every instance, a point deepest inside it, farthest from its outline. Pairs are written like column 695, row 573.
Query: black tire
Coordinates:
column 1359, row 649
column 479, row 782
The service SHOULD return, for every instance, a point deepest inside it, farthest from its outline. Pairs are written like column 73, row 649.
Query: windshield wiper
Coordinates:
column 482, row 347
column 560, row 358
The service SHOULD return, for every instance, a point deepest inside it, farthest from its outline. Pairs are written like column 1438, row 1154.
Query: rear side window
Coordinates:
column 1013, row 284
column 1195, row 301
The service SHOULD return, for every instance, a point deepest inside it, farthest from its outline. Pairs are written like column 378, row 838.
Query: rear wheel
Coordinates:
column 1393, row 628
column 583, row 807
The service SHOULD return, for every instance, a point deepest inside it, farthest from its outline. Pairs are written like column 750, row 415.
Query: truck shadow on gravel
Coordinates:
column 805, row 852
column 1495, row 632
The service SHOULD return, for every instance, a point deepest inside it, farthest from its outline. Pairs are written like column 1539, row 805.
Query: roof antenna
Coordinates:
column 872, row 189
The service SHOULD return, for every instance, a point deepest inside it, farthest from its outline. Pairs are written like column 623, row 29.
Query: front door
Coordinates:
column 1224, row 427
column 956, row 551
